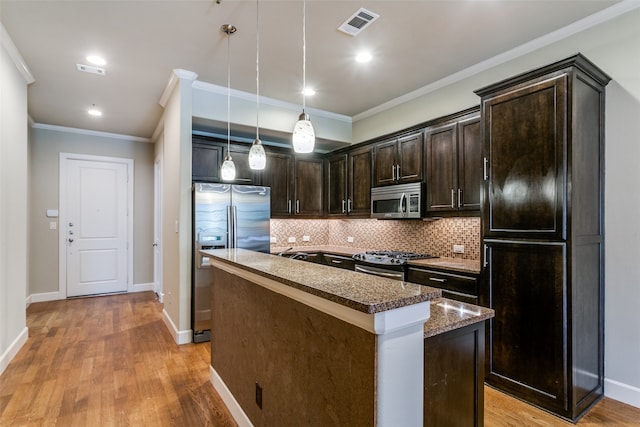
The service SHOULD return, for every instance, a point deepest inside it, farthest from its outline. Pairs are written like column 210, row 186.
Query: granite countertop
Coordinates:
column 442, row 263
column 361, row 292
column 447, row 315
column 451, row 264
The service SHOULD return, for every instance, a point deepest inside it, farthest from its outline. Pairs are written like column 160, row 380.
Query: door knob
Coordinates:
column 70, row 240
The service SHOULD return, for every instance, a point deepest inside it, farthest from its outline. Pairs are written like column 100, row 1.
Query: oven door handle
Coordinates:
column 397, row 275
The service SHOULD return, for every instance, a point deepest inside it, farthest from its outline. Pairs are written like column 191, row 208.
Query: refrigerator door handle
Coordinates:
column 235, row 226
column 230, row 226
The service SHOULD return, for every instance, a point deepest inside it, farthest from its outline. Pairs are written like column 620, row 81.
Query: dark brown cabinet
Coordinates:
column 206, row 159
column 454, row 285
column 296, row 185
column 453, row 159
column 398, row 161
column 349, row 183
column 207, row 156
column 543, row 235
column 454, row 378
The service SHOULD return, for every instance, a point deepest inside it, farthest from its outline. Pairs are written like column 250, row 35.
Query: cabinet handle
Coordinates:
column 344, row 210
column 486, row 262
column 297, row 206
column 459, row 198
column 435, row 279
column 398, row 172
column 289, row 206
column 335, row 261
column 486, row 169
column 453, row 198
column 349, row 205
column 393, row 172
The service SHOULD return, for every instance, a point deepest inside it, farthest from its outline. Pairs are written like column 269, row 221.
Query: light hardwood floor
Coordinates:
column 109, row 361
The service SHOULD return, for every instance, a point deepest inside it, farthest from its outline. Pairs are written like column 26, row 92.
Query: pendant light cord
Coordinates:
column 257, row 69
column 304, row 54
column 228, row 94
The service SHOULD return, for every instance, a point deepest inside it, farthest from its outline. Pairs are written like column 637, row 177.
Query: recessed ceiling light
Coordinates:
column 309, row 91
column 96, row 60
column 94, row 112
column 363, row 57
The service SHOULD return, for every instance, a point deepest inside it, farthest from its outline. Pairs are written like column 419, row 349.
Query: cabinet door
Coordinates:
column 206, row 161
column 359, row 194
column 441, row 160
column 308, row 187
column 337, row 185
column 240, row 157
column 525, row 140
column 409, row 158
column 526, row 347
column 278, row 177
column 384, row 170
column 470, row 167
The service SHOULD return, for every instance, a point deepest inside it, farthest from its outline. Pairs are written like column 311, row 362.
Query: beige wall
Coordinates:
column 13, row 204
column 173, row 146
column 45, row 148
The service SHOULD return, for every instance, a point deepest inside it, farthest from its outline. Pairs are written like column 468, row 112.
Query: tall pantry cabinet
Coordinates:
column 543, row 237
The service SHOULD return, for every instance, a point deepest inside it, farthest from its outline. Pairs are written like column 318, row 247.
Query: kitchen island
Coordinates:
column 295, row 343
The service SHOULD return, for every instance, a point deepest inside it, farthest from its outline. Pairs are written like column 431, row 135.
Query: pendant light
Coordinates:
column 304, row 137
column 257, row 156
column 228, row 169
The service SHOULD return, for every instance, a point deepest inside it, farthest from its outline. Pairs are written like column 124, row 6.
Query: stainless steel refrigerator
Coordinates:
column 224, row 216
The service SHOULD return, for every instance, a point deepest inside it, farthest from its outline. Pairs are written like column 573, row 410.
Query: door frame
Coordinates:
column 62, row 203
column 157, row 229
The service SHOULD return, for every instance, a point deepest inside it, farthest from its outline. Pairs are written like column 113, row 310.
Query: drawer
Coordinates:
column 339, row 261
column 449, row 281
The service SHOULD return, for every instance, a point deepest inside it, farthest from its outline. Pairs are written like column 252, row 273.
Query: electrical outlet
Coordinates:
column 350, row 239
column 291, row 240
column 458, row 249
column 273, row 239
column 53, row 225
column 259, row 395
column 306, row 238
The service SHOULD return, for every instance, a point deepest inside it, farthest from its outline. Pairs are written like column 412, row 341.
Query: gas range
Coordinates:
column 389, row 257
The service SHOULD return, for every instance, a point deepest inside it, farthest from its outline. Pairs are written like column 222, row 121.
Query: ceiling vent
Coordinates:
column 90, row 69
column 358, row 22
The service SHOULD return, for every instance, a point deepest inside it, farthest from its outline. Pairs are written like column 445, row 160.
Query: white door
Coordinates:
column 96, row 227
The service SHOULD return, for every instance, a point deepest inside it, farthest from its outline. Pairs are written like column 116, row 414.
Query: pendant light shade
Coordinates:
column 257, row 156
column 304, row 137
column 228, row 169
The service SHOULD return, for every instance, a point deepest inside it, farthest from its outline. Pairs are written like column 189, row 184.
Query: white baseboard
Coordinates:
column 45, row 296
column 180, row 337
column 232, row 404
column 621, row 392
column 13, row 349
column 141, row 287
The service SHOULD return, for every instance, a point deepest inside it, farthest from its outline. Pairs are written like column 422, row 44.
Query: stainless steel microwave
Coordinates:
column 402, row 201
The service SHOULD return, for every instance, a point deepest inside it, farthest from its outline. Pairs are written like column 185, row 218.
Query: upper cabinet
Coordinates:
column 207, row 156
column 348, row 183
column 398, row 160
column 453, row 159
column 296, row 185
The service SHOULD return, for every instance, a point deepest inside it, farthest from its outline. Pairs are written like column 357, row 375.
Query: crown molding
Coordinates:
column 251, row 97
column 12, row 50
column 176, row 75
column 91, row 133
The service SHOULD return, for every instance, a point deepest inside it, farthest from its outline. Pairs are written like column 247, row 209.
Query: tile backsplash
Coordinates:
column 434, row 237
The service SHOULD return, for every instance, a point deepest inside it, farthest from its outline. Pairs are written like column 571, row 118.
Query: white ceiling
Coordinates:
column 414, row 43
